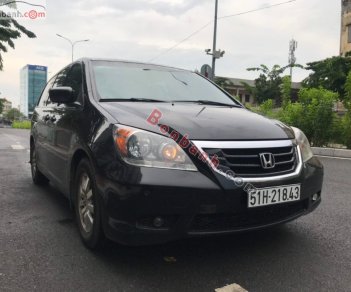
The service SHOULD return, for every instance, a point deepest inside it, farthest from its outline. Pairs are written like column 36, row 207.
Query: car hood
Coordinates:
column 200, row 122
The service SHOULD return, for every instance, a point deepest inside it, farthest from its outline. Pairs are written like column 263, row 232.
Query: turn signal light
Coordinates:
column 121, row 138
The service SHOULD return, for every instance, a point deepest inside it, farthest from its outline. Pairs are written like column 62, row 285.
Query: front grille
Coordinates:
column 248, row 219
column 247, row 162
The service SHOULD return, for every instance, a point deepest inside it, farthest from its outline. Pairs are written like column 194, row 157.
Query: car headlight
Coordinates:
column 304, row 145
column 142, row 148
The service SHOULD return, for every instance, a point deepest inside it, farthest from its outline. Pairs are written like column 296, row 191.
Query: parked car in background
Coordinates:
column 5, row 123
column 149, row 154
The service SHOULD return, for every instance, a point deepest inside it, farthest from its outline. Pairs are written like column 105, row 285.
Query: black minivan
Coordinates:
column 148, row 154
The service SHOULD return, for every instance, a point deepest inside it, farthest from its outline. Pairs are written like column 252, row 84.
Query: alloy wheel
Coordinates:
column 86, row 204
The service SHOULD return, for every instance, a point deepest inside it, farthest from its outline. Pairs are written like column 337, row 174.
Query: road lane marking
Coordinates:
column 231, row 288
column 17, row 147
column 10, row 137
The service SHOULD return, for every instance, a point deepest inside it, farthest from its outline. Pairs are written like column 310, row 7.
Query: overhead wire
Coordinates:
column 219, row 18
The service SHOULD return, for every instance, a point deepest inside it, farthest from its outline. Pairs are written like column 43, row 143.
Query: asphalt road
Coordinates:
column 40, row 249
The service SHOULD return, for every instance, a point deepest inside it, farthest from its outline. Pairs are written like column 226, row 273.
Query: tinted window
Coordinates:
column 45, row 95
column 116, row 80
column 61, row 77
column 75, row 80
column 71, row 77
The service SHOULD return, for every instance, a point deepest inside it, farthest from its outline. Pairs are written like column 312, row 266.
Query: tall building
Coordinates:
column 345, row 37
column 33, row 79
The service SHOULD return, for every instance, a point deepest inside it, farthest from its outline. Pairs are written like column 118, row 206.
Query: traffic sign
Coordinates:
column 206, row 71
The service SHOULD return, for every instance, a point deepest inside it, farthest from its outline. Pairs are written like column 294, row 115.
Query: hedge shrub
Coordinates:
column 313, row 114
column 21, row 124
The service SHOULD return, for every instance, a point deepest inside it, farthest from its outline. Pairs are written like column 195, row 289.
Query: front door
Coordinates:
column 66, row 120
column 42, row 128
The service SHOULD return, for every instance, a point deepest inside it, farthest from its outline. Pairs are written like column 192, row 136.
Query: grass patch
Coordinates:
column 21, row 124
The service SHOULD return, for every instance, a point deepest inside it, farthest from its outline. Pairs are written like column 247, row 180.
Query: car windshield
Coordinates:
column 118, row 81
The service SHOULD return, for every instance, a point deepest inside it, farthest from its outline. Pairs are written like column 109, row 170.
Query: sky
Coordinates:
column 140, row 30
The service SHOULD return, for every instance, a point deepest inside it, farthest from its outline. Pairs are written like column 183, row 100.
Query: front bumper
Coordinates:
column 192, row 204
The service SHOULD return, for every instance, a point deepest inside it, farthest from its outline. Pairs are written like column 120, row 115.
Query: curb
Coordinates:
column 332, row 152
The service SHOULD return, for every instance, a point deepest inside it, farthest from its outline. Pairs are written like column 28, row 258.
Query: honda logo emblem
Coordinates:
column 267, row 160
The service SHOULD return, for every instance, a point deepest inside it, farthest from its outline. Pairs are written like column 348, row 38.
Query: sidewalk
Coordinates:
column 332, row 152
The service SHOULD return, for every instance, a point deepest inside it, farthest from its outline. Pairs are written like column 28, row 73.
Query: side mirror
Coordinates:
column 61, row 95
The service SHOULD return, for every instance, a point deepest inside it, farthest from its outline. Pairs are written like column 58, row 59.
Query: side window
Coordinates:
column 45, row 94
column 59, row 81
column 61, row 77
column 247, row 97
column 75, row 80
column 71, row 76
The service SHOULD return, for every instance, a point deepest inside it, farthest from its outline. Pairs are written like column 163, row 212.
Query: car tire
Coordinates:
column 87, row 206
column 37, row 176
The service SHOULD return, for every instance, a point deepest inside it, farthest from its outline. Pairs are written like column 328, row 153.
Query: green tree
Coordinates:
column 330, row 74
column 1, row 105
column 269, row 82
column 346, row 121
column 10, row 30
column 285, row 89
column 317, row 115
column 267, row 107
column 13, row 114
column 347, row 95
column 222, row 81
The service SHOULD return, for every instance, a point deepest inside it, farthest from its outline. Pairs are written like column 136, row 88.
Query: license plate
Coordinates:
column 273, row 195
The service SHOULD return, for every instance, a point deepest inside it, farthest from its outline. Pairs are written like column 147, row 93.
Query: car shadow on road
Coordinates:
column 195, row 264
column 211, row 261
column 304, row 255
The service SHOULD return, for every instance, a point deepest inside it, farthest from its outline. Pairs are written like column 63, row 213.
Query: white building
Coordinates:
column 7, row 106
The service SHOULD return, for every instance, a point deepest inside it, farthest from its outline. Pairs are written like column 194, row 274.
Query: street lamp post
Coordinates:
column 72, row 43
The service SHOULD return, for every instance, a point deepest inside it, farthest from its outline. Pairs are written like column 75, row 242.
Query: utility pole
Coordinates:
column 292, row 58
column 215, row 54
column 214, row 40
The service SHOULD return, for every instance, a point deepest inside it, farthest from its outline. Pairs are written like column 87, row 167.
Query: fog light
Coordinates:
column 315, row 197
column 158, row 222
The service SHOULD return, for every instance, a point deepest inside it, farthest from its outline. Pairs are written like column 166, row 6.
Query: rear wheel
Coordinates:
column 87, row 206
column 37, row 177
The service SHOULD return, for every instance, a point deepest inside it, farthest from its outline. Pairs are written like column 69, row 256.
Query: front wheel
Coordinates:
column 87, row 206
column 37, row 177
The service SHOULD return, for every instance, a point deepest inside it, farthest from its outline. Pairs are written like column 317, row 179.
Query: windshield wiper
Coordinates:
column 132, row 99
column 209, row 102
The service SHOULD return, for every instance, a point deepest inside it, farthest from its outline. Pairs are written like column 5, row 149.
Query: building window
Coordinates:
column 349, row 33
column 346, row 6
column 247, row 97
